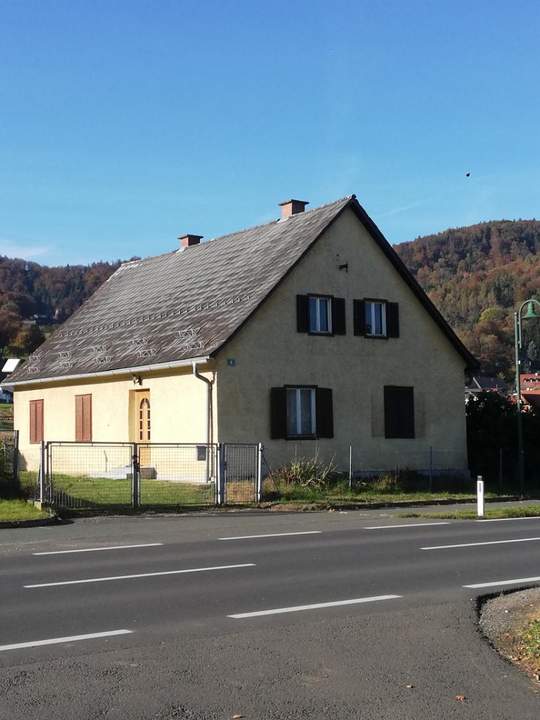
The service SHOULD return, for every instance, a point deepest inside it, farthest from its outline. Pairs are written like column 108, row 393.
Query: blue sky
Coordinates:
column 124, row 124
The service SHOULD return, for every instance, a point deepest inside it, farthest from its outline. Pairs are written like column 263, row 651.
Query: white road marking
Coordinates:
column 271, row 535
column 314, row 606
column 406, row 525
column 476, row 544
column 140, row 575
column 68, row 639
column 97, row 549
column 516, row 581
column 534, row 517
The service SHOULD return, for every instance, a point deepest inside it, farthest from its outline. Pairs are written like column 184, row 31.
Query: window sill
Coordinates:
column 301, row 437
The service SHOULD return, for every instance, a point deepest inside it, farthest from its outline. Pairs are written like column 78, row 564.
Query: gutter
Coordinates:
column 110, row 373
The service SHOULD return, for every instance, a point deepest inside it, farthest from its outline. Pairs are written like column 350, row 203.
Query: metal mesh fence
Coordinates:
column 177, row 475
column 86, row 475
column 145, row 475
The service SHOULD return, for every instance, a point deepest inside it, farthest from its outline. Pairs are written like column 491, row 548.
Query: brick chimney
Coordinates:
column 292, row 207
column 189, row 240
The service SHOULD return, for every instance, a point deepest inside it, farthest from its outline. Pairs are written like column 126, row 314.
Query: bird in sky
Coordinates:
column 467, row 174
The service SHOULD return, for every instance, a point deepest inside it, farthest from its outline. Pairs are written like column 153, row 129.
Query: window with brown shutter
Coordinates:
column 83, row 418
column 36, row 421
column 300, row 412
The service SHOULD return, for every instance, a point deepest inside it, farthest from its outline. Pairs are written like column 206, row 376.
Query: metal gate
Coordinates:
column 172, row 475
column 123, row 475
column 241, row 464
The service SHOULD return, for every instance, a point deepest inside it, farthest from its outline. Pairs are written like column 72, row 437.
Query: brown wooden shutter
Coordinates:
column 278, row 413
column 36, row 421
column 338, row 316
column 302, row 313
column 392, row 319
column 359, row 317
column 398, row 412
column 325, row 413
column 78, row 418
column 83, row 418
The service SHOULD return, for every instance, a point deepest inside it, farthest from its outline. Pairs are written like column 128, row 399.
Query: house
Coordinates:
column 307, row 334
column 530, row 388
column 484, row 383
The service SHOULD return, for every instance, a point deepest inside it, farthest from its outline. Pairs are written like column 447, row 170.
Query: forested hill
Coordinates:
column 35, row 297
column 476, row 276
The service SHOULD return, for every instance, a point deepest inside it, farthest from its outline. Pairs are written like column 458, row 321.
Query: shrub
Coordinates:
column 309, row 473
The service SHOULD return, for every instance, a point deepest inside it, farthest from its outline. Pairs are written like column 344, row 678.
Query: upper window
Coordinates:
column 375, row 318
column 301, row 412
column 320, row 314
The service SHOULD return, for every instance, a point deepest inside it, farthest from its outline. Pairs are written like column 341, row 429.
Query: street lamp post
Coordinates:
column 531, row 314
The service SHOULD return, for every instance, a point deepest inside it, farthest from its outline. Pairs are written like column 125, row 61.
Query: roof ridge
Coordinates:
column 272, row 222
column 236, row 232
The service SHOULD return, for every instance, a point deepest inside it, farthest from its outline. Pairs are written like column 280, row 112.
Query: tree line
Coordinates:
column 475, row 275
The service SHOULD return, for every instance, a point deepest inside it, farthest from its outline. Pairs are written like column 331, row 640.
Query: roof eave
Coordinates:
column 110, row 373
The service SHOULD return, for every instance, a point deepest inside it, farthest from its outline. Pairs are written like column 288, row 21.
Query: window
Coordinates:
column 83, row 418
column 375, row 318
column 36, row 421
column 398, row 412
column 320, row 318
column 145, row 428
column 320, row 315
column 301, row 412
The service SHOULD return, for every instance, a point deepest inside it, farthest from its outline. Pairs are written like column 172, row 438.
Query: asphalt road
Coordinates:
column 352, row 616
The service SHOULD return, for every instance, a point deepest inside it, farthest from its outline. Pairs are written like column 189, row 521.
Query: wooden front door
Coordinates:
column 143, row 423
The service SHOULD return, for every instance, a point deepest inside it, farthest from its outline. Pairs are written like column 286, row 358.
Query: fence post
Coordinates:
column 431, row 469
column 500, row 470
column 15, row 458
column 350, row 467
column 42, row 472
column 220, row 485
column 480, row 496
column 259, row 471
column 135, row 477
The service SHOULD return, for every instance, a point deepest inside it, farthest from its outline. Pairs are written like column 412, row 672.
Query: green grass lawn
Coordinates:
column 514, row 511
column 16, row 510
column 84, row 491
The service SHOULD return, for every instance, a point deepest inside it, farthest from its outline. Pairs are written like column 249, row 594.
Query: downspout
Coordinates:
column 209, row 424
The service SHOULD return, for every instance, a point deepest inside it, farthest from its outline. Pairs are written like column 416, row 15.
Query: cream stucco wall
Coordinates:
column 268, row 351
column 178, row 412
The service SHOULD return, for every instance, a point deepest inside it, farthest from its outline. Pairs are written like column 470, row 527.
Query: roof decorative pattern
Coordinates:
column 178, row 305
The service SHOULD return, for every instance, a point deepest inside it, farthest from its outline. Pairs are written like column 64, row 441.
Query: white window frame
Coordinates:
column 316, row 328
column 298, row 411
column 372, row 304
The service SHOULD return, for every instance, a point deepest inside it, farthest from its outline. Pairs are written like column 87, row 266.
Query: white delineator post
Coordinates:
column 480, row 496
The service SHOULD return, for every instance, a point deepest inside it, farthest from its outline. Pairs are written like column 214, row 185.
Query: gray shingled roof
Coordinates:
column 179, row 305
